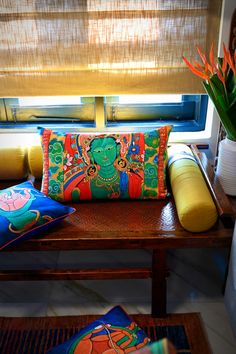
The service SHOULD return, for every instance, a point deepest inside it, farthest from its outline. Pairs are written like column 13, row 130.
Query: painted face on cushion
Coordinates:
column 104, row 151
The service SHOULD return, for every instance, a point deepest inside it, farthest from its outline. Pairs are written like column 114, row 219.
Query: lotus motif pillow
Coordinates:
column 87, row 166
column 114, row 332
column 25, row 211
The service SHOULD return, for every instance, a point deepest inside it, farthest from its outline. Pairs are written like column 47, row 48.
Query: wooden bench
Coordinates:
column 148, row 224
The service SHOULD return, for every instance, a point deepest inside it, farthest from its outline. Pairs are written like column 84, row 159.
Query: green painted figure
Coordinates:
column 103, row 152
column 107, row 173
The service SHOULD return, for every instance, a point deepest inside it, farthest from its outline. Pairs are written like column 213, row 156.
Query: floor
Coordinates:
column 195, row 285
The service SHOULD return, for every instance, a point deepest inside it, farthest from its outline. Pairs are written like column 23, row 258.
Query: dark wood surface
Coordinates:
column 128, row 224
column 40, row 328
column 79, row 274
column 122, row 224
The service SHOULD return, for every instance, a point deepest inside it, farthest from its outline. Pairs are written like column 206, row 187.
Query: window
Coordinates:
column 32, row 111
column 184, row 112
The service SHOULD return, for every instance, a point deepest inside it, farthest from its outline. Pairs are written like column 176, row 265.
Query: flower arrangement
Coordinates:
column 219, row 81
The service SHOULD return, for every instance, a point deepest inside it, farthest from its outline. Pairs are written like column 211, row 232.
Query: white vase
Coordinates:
column 226, row 166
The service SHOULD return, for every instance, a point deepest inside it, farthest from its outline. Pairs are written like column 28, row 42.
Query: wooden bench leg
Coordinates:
column 159, row 283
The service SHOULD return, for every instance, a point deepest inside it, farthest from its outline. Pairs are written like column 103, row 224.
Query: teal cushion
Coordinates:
column 115, row 330
column 25, row 211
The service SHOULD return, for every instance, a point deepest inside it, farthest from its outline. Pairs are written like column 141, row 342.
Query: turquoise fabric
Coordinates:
column 25, row 211
column 113, row 331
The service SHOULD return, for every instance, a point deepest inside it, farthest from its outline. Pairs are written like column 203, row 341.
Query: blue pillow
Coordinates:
column 115, row 330
column 25, row 211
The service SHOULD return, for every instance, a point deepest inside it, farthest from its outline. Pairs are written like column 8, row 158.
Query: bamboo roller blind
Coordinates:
column 102, row 47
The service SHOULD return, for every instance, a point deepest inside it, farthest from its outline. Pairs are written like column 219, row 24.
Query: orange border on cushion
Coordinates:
column 45, row 142
column 162, row 192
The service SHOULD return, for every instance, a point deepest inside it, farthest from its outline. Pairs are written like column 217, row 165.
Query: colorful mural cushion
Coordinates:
column 114, row 332
column 25, row 211
column 87, row 166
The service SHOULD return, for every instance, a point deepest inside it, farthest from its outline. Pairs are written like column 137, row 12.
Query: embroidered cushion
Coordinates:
column 25, row 211
column 87, row 166
column 114, row 332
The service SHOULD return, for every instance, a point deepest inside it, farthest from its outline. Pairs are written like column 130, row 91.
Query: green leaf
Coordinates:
column 209, row 91
column 218, row 85
column 232, row 100
column 223, row 104
column 226, row 116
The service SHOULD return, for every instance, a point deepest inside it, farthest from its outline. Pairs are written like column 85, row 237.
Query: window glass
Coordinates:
column 49, row 101
column 149, row 99
column 56, row 110
column 184, row 112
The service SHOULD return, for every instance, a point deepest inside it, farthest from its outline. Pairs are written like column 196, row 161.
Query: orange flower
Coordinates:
column 224, row 66
column 195, row 71
column 220, row 76
column 207, row 70
column 229, row 59
column 205, row 62
column 212, row 58
column 220, row 85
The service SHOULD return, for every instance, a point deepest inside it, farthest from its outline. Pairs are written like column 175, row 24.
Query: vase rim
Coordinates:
column 230, row 140
column 228, row 144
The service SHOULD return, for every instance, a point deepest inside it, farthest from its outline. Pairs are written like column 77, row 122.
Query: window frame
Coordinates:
column 190, row 115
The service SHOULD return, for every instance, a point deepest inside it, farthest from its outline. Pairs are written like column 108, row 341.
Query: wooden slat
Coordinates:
column 221, row 200
column 159, row 273
column 79, row 274
column 43, row 326
column 56, row 240
column 119, row 224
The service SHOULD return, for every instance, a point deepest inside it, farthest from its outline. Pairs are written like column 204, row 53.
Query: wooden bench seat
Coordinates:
column 123, row 224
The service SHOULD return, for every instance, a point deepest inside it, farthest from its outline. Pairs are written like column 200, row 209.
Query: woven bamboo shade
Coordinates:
column 102, row 47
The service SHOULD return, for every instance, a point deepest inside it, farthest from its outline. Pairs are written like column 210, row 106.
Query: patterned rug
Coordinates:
column 35, row 335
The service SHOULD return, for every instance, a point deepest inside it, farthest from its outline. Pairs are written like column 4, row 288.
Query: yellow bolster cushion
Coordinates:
column 195, row 207
column 13, row 162
column 35, row 160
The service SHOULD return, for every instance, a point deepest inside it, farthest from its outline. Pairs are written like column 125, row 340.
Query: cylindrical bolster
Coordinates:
column 13, row 164
column 35, row 160
column 195, row 207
